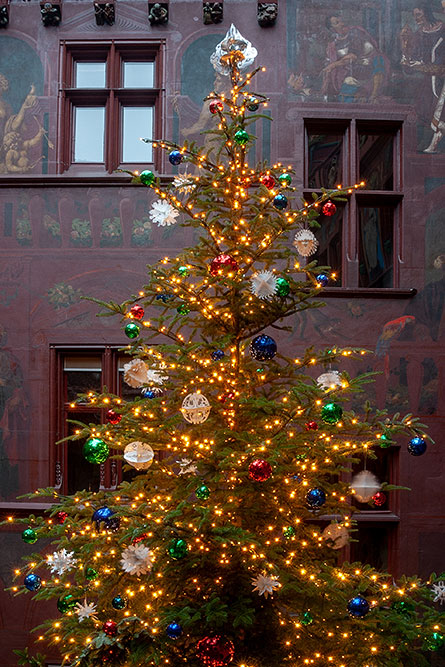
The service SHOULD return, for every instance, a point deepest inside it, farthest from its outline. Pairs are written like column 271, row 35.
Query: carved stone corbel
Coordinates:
column 51, row 13
column 4, row 13
column 158, row 13
column 267, row 13
column 212, row 12
column 104, row 12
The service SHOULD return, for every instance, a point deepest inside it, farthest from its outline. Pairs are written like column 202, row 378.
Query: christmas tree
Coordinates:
column 223, row 547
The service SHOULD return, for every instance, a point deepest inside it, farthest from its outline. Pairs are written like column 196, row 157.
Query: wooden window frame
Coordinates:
column 112, row 97
column 350, row 127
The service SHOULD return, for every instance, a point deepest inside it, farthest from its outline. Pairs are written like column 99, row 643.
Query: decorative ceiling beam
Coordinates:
column 158, row 13
column 51, row 13
column 104, row 12
column 212, row 12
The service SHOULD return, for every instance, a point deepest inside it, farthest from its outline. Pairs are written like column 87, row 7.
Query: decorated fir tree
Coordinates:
column 223, row 549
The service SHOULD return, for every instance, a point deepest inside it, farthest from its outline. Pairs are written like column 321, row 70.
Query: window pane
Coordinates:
column 137, row 122
column 324, row 160
column 81, row 474
column 89, row 128
column 138, row 74
column 376, row 161
column 329, row 237
column 372, row 545
column 89, row 75
column 376, row 246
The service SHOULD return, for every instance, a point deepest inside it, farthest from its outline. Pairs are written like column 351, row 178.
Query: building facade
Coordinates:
column 357, row 92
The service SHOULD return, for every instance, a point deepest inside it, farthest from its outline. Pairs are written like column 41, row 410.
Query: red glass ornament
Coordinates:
column 311, row 426
column 61, row 517
column 112, row 417
column 225, row 397
column 215, row 106
column 379, row 499
column 222, row 263
column 268, row 181
column 215, row 651
column 137, row 312
column 329, row 209
column 139, row 538
column 110, row 628
column 260, row 470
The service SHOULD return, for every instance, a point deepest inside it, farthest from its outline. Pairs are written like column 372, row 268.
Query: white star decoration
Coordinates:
column 137, row 559
column 85, row 610
column 61, row 561
column 184, row 183
column 163, row 213
column 263, row 284
column 137, row 373
column 438, row 590
column 265, row 585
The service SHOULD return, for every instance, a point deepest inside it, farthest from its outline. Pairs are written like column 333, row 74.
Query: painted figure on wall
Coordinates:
column 423, row 50
column 357, row 70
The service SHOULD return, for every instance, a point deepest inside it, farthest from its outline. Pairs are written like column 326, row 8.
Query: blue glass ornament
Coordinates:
column 280, row 202
column 417, row 446
column 174, row 630
column 119, row 602
column 164, row 297
column 217, row 355
column 106, row 516
column 175, row 158
column 252, row 104
column 151, row 392
column 322, row 279
column 358, row 606
column 316, row 497
column 263, row 347
column 32, row 582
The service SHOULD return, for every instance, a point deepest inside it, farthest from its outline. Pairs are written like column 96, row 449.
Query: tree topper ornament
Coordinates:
column 234, row 54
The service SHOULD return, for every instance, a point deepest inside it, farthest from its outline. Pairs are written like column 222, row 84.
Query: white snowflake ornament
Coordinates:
column 137, row 559
column 163, row 213
column 263, row 284
column 184, row 183
column 85, row 610
column 364, row 485
column 135, row 373
column 61, row 561
column 438, row 590
column 265, row 585
column 187, row 467
column 305, row 242
column 329, row 380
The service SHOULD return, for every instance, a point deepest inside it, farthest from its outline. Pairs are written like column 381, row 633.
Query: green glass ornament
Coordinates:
column 66, row 603
column 147, row 177
column 202, row 492
column 183, row 271
column 289, row 532
column 385, row 440
column 29, row 536
column 183, row 309
column 285, row 179
column 306, row 618
column 132, row 330
column 90, row 573
column 178, row 548
column 241, row 137
column 331, row 413
column 283, row 287
column 95, row 450
column 435, row 642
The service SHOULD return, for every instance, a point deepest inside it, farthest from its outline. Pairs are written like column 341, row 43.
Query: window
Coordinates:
column 360, row 241
column 110, row 98
column 77, row 371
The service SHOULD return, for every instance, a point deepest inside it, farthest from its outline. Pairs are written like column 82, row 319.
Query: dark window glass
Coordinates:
column 325, row 152
column 372, row 545
column 81, row 474
column 376, row 161
column 329, row 237
column 82, row 374
column 376, row 246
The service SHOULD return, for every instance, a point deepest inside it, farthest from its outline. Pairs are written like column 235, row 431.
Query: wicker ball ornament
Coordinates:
column 139, row 455
column 335, row 536
column 305, row 242
column 195, row 408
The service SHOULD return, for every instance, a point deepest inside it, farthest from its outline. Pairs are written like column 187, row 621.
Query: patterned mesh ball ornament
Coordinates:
column 195, row 408
column 215, row 651
column 305, row 242
column 139, row 455
column 263, row 347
